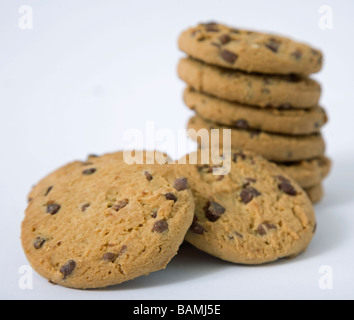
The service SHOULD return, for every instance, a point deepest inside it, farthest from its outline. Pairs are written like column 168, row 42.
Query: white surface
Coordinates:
column 90, row 70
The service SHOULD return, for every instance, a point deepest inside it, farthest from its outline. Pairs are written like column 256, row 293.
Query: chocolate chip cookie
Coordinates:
column 291, row 121
column 249, row 51
column 253, row 215
column 101, row 222
column 266, row 91
column 274, row 147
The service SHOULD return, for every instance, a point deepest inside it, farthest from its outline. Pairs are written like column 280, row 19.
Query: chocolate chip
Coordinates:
column 264, row 227
column 123, row 250
column 287, row 188
column 88, row 172
column 109, row 256
column 160, row 226
column 48, row 190
column 261, row 230
column 202, row 167
column 39, row 242
column 216, row 45
column 171, row 196
column 154, row 214
column 196, row 227
column 224, row 39
column 68, row 268
column 283, row 179
column 238, row 234
column 273, row 45
column 238, row 154
column 211, row 27
column 248, row 194
column 269, row 225
column 228, row 56
column 148, row 176
column 84, row 207
column 241, row 124
column 254, row 191
column 53, row 208
column 120, row 205
column 181, row 184
column 213, row 211
column 248, row 182
column 297, row 54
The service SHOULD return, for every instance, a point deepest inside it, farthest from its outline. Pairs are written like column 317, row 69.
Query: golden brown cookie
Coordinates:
column 253, row 215
column 274, row 147
column 249, row 51
column 252, row 89
column 290, row 121
column 101, row 222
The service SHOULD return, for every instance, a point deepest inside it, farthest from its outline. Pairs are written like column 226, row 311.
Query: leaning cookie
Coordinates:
column 249, row 51
column 291, row 121
column 253, row 215
column 101, row 222
column 274, row 147
column 278, row 91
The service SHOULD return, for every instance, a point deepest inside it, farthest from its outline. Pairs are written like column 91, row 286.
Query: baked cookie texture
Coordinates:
column 274, row 147
column 278, row 91
column 253, row 215
column 101, row 222
column 290, row 122
column 220, row 45
column 315, row 193
column 308, row 173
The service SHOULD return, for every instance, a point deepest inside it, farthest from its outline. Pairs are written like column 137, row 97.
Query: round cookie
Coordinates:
column 252, row 89
column 249, row 51
column 315, row 193
column 102, row 222
column 253, row 215
column 274, row 147
column 292, row 122
column 307, row 173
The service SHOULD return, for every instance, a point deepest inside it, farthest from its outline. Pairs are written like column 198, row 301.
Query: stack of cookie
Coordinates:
column 257, row 85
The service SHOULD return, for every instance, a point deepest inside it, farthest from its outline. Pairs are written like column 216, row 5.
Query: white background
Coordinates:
column 90, row 70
